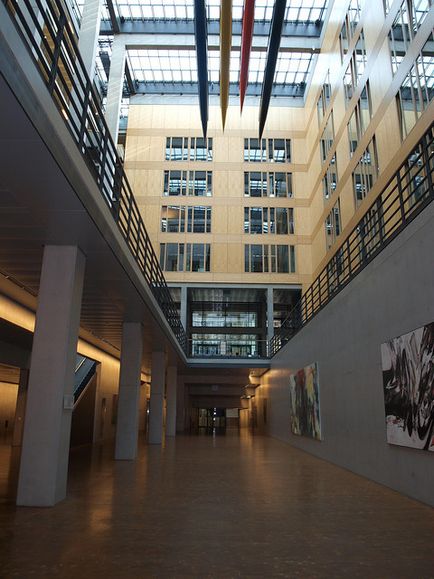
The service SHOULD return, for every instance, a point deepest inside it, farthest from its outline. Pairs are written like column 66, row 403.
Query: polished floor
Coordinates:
column 216, row 507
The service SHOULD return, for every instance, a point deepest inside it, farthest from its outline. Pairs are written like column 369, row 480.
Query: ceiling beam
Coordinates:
column 191, row 88
column 290, row 29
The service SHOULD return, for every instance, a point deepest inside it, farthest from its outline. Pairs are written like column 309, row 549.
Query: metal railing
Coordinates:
column 407, row 193
column 45, row 28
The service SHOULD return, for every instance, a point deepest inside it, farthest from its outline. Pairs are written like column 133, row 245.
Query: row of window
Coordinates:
column 199, row 184
column 258, row 258
column 255, row 150
column 197, row 219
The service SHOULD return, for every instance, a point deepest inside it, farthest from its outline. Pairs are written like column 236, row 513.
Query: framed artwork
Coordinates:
column 304, row 400
column 408, row 382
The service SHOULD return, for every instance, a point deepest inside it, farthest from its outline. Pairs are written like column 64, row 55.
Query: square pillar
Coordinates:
column 157, row 397
column 171, row 391
column 47, row 426
column 89, row 33
column 127, row 427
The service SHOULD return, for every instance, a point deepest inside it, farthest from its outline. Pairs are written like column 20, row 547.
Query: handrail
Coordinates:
column 406, row 194
column 45, row 28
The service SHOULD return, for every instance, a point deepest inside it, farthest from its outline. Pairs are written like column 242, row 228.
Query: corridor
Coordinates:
column 217, row 507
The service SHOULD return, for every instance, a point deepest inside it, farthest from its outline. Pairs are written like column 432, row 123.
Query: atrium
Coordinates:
column 216, row 237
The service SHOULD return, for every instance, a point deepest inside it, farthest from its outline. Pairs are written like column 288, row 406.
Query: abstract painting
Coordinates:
column 408, row 382
column 304, row 395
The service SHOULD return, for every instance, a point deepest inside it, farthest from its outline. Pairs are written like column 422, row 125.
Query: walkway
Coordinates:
column 217, row 507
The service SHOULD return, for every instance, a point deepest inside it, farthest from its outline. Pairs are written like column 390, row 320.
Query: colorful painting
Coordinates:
column 304, row 394
column 408, row 382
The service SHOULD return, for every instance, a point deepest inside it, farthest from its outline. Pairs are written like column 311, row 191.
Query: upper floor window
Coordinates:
column 188, row 148
column 179, row 219
column 365, row 173
column 327, row 137
column 262, row 220
column 330, row 179
column 259, row 258
column 271, row 184
column 194, row 183
column 191, row 257
column 360, row 119
column 355, row 69
column 324, row 98
column 417, row 89
column 349, row 26
column 333, row 224
column 267, row 150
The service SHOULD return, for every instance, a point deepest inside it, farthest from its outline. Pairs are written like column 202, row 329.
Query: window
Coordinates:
column 360, row 119
column 415, row 178
column 255, row 150
column 200, row 183
column 198, row 257
column 366, row 172
column 177, row 149
column 349, row 26
column 269, row 258
column 199, row 219
column 262, row 220
column 194, row 183
column 172, row 256
column 330, row 179
column 175, row 183
column 280, row 184
column 272, row 184
column 417, row 89
column 195, row 258
column 267, row 150
column 279, row 150
column 399, row 37
column 355, row 68
column 188, row 148
column 200, row 149
column 333, row 225
column 324, row 98
column 255, row 184
column 327, row 137
column 172, row 219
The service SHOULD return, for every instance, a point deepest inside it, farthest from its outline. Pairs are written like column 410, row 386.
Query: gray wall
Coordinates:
column 391, row 296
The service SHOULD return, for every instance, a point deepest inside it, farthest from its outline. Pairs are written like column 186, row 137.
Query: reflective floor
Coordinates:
column 217, row 507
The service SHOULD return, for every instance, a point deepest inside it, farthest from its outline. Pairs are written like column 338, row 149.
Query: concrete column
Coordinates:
column 157, row 398
column 171, row 391
column 89, row 32
column 47, row 426
column 127, row 427
column 270, row 313
column 115, row 86
column 20, row 411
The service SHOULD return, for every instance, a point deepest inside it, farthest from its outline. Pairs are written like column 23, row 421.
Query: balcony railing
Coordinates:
column 51, row 41
column 407, row 193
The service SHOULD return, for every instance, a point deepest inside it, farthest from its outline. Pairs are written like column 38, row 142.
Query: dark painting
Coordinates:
column 408, row 382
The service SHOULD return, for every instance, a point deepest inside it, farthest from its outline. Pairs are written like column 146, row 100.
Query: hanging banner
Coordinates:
column 246, row 46
column 270, row 67
column 201, row 36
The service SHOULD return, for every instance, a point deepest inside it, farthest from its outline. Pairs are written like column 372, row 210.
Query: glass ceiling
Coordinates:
column 178, row 66
column 297, row 10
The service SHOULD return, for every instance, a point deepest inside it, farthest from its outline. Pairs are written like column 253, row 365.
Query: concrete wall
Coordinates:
column 392, row 296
